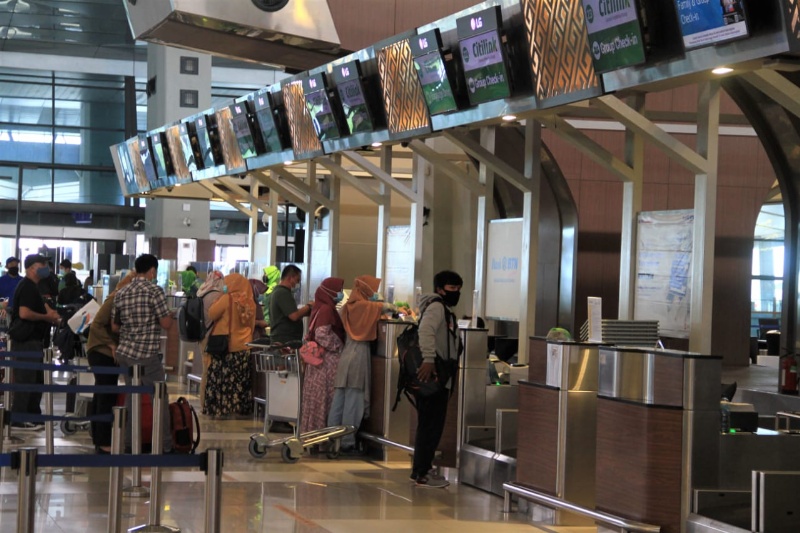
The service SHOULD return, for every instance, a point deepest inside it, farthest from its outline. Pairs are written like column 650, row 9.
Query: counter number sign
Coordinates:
column 615, row 35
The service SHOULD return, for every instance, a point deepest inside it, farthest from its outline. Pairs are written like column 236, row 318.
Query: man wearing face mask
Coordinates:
column 139, row 314
column 31, row 311
column 438, row 336
column 10, row 280
column 286, row 319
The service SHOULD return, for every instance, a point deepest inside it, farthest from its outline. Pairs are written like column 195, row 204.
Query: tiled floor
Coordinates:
column 263, row 495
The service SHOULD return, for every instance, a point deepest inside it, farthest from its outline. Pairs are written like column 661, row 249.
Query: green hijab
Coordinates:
column 187, row 280
column 272, row 275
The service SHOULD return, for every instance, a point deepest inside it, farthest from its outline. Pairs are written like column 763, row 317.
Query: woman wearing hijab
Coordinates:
column 189, row 283
column 360, row 317
column 228, row 389
column 101, row 349
column 259, row 288
column 210, row 291
column 326, row 329
column 72, row 292
column 271, row 278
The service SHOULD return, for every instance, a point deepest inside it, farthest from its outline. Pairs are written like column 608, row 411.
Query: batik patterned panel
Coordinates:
column 402, row 93
column 558, row 46
column 301, row 127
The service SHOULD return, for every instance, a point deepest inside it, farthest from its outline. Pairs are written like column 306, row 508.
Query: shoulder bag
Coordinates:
column 217, row 346
column 311, row 352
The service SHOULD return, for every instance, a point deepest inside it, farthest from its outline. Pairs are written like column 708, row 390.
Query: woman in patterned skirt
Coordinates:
column 325, row 328
column 228, row 390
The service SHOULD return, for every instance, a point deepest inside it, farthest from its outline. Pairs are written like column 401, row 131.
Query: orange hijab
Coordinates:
column 360, row 315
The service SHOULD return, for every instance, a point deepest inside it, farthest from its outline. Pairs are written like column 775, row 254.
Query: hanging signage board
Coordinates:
column 615, row 34
column 482, row 56
column 503, row 281
column 708, row 22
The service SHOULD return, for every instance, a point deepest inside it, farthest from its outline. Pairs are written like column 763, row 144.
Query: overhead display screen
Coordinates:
column 483, row 57
column 135, row 159
column 204, row 142
column 241, row 129
column 352, row 96
column 319, row 107
column 223, row 128
column 148, row 163
column 266, row 123
column 161, row 157
column 709, row 22
column 124, row 167
column 615, row 33
column 178, row 151
column 430, row 67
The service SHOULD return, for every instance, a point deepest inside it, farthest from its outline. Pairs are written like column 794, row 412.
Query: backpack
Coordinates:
column 410, row 358
column 183, row 420
column 192, row 319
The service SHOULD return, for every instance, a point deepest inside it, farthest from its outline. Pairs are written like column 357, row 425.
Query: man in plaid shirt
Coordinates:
column 139, row 314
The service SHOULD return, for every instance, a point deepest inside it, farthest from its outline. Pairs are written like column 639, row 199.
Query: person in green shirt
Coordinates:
column 271, row 277
column 287, row 318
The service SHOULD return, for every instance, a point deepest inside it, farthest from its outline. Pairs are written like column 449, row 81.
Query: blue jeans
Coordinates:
column 152, row 371
column 347, row 409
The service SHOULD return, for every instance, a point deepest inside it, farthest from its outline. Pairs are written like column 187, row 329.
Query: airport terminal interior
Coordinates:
column 615, row 182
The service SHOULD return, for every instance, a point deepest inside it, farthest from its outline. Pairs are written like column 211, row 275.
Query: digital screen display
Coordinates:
column 204, row 142
column 161, row 157
column 708, row 23
column 178, row 151
column 484, row 67
column 435, row 85
column 615, row 34
column 127, row 178
column 319, row 107
column 241, row 128
column 354, row 105
column 147, row 162
column 227, row 139
column 135, row 159
column 266, row 123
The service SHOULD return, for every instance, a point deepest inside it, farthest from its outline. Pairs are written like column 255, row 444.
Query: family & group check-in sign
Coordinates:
column 615, row 35
column 707, row 22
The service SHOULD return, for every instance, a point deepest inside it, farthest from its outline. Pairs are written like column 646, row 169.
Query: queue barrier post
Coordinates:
column 48, row 403
column 26, row 493
column 8, row 438
column 136, row 490
column 213, row 502
column 115, row 475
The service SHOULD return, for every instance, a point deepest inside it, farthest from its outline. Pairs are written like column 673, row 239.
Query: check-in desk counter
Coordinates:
column 657, row 433
column 383, row 422
column 557, row 424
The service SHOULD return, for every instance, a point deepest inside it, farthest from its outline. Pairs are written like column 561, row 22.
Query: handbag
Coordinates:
column 217, row 346
column 21, row 330
column 310, row 352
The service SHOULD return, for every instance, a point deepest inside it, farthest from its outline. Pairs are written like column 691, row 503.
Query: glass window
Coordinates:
column 87, row 187
column 766, row 289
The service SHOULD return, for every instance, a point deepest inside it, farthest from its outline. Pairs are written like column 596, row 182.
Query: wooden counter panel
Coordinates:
column 537, row 361
column 639, row 463
column 537, row 437
column 374, row 424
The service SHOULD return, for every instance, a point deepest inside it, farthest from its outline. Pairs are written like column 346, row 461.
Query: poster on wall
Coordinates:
column 664, row 270
column 399, row 265
column 615, row 33
column 708, row 22
column 503, row 283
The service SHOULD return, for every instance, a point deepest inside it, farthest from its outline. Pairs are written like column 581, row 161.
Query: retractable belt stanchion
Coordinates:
column 26, row 497
column 48, row 403
column 8, row 438
column 213, row 490
column 154, row 522
column 136, row 489
column 115, row 475
column 2, row 423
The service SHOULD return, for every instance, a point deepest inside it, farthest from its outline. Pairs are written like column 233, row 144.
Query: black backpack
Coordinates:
column 192, row 319
column 410, row 358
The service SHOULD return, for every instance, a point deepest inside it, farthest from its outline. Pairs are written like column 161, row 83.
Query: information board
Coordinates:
column 503, row 282
column 707, row 22
column 615, row 33
column 482, row 56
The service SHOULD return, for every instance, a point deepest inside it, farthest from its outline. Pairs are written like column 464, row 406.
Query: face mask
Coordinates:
column 339, row 297
column 13, row 271
column 43, row 272
column 224, row 289
column 154, row 281
column 451, row 298
column 374, row 297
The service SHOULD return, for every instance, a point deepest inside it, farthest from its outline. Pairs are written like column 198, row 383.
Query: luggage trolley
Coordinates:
column 280, row 364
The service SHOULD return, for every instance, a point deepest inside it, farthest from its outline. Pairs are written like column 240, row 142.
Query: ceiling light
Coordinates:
column 719, row 71
column 288, row 163
column 377, row 144
column 509, row 118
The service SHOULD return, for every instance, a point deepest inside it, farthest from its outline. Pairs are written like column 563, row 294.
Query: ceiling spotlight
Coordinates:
column 288, row 163
column 719, row 71
column 376, row 144
column 509, row 118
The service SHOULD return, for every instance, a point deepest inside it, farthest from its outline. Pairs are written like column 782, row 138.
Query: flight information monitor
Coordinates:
column 319, row 107
column 483, row 56
column 148, row 163
column 177, row 149
column 208, row 152
column 430, row 67
column 161, row 157
column 135, row 158
column 353, row 97
column 266, row 122
column 615, row 34
column 248, row 140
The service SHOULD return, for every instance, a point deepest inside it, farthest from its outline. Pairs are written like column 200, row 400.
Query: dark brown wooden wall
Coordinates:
column 745, row 177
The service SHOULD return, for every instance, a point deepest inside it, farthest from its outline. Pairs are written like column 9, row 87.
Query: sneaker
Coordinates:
column 432, row 474
column 28, row 426
column 431, row 483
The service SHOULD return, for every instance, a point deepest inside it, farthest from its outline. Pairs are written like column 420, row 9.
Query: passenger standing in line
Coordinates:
column 286, row 319
column 438, row 338
column 36, row 317
column 10, row 280
column 138, row 315
column 326, row 329
column 189, row 283
column 229, row 384
column 65, row 268
column 259, row 288
column 210, row 291
column 271, row 277
column 72, row 293
column 360, row 316
column 48, row 287
column 101, row 350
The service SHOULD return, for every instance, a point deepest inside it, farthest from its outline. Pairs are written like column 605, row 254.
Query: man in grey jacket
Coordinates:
column 438, row 335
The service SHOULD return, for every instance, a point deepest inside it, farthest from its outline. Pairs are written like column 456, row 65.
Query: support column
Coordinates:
column 705, row 218
column 419, row 171
column 631, row 207
column 485, row 206
column 384, row 215
column 529, row 258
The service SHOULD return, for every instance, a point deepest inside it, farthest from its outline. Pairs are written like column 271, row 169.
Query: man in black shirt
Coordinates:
column 31, row 310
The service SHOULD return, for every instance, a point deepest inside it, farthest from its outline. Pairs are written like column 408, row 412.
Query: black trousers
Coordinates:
column 28, row 402
column 431, row 414
column 102, row 404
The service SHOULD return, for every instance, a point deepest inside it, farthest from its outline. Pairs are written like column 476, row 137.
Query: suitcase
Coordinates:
column 147, row 417
column 183, row 421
